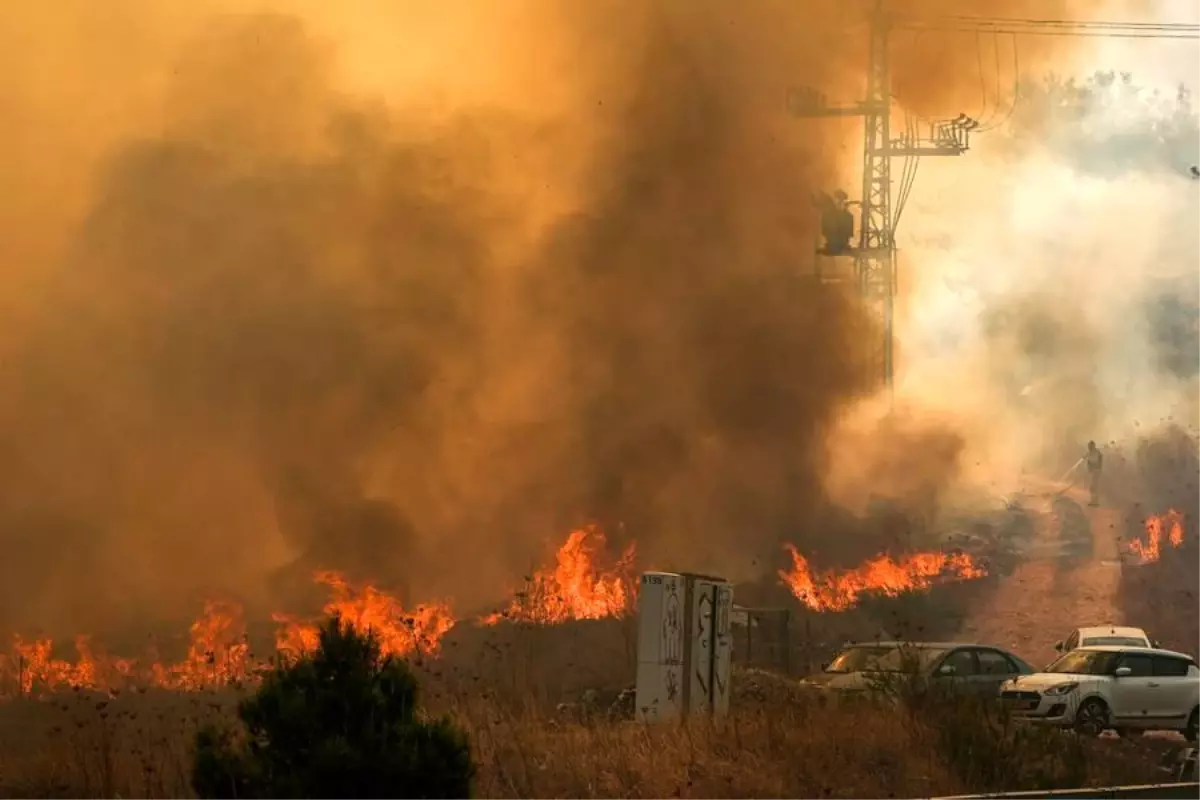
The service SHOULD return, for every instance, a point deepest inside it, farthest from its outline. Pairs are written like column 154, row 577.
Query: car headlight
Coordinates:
column 1061, row 689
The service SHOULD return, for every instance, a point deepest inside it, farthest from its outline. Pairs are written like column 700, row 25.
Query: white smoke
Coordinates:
column 1048, row 277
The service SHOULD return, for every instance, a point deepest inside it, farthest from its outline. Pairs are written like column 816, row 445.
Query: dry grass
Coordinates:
column 776, row 743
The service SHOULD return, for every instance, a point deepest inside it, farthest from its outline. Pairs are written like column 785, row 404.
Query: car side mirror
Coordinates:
column 946, row 669
column 1058, row 646
column 1123, row 672
column 1156, row 645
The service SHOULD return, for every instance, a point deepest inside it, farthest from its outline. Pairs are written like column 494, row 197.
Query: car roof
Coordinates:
column 1112, row 630
column 1120, row 648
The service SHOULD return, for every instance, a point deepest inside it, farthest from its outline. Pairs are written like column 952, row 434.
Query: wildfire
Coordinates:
column 400, row 633
column 218, row 655
column 579, row 586
column 1158, row 527
column 576, row 588
column 218, row 652
column 839, row 591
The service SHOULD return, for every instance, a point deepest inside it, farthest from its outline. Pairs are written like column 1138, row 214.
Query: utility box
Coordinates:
column 685, row 645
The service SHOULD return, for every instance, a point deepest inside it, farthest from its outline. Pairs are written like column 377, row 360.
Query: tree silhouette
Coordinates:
column 338, row 722
column 1107, row 123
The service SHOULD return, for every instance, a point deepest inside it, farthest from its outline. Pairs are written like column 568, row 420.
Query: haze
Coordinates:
column 409, row 291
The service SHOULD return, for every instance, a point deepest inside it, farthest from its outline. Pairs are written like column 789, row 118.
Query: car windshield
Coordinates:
column 1084, row 662
column 883, row 658
column 1120, row 641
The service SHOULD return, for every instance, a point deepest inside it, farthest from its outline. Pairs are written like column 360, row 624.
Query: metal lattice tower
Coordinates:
column 875, row 255
column 875, row 259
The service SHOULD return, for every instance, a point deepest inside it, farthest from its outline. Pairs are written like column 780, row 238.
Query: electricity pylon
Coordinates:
column 875, row 255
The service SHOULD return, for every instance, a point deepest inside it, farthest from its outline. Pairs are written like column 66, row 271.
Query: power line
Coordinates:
column 982, row 83
column 1100, row 31
column 1015, row 27
column 875, row 262
column 1016, row 88
column 908, row 173
column 996, row 60
column 1062, row 32
column 1054, row 27
column 1079, row 23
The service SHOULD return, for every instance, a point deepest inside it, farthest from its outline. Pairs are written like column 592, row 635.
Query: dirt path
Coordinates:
column 1074, row 582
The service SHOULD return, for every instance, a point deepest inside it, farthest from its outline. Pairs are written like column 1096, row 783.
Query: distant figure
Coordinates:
column 1196, row 172
column 1095, row 463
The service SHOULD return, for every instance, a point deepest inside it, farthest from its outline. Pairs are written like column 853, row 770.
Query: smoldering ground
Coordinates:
column 416, row 337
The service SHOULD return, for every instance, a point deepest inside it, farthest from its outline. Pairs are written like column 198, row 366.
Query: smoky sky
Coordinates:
column 298, row 328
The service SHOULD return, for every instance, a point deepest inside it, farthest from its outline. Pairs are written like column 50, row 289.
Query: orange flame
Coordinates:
column 34, row 666
column 576, row 588
column 839, row 591
column 219, row 653
column 400, row 633
column 1170, row 523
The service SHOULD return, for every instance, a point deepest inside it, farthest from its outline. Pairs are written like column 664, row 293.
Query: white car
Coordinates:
column 1126, row 689
column 1104, row 635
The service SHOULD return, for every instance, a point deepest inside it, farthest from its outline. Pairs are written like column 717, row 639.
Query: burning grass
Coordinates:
column 841, row 590
column 1162, row 531
column 585, row 580
column 580, row 586
column 504, row 677
column 1159, row 589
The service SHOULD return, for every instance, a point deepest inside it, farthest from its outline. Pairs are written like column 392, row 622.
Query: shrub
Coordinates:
column 988, row 749
column 978, row 739
column 338, row 722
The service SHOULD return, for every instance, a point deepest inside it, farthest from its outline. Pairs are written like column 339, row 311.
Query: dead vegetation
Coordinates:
column 777, row 742
column 538, row 703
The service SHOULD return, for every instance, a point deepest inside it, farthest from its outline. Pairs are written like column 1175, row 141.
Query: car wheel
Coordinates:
column 1193, row 722
column 1092, row 717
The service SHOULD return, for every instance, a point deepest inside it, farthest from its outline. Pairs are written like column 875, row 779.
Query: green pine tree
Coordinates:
column 338, row 722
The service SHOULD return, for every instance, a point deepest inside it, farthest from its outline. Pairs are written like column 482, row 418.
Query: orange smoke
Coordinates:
column 576, row 588
column 1158, row 527
column 838, row 591
column 400, row 632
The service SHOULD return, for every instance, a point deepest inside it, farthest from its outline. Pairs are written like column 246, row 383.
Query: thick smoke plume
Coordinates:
column 1060, row 304
column 408, row 293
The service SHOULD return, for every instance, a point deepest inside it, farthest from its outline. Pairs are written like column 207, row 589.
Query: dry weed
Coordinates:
column 776, row 743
